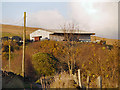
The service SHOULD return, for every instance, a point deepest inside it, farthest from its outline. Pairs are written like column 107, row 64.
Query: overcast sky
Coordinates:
column 98, row 17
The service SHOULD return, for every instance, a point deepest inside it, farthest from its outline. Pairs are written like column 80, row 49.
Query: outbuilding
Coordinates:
column 60, row 35
column 40, row 34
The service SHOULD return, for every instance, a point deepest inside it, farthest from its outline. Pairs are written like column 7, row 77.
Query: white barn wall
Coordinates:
column 40, row 32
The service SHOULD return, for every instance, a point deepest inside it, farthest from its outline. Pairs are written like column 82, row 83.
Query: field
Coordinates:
column 12, row 30
column 108, row 41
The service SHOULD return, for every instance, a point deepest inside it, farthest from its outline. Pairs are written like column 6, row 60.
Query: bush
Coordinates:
column 44, row 63
column 63, row 80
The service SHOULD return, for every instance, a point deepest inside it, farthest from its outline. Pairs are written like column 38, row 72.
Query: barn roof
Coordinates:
column 75, row 32
column 67, row 31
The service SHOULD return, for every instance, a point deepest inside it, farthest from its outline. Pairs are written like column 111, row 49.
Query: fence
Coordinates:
column 46, row 81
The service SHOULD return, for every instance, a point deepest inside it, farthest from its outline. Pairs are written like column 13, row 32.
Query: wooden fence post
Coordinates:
column 100, row 82
column 41, row 82
column 79, row 79
column 88, row 81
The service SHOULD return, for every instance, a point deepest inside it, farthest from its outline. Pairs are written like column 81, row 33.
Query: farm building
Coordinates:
column 60, row 35
column 40, row 35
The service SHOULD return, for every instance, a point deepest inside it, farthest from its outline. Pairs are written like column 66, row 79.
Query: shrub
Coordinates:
column 44, row 63
column 63, row 80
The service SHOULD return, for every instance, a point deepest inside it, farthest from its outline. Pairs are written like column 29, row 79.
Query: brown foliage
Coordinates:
column 93, row 60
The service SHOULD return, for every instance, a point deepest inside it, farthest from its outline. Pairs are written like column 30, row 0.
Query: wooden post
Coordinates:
column 100, row 82
column 79, row 79
column 88, row 81
column 9, row 56
column 41, row 82
column 24, row 35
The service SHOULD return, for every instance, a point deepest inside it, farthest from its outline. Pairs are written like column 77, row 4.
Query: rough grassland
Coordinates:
column 108, row 41
column 12, row 30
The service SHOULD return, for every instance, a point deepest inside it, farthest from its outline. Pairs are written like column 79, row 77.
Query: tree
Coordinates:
column 69, row 37
column 44, row 63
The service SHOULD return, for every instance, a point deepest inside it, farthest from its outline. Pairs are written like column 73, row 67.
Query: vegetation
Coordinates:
column 12, row 80
column 18, row 30
column 63, row 80
column 44, row 64
column 13, row 30
column 93, row 60
column 4, row 34
column 5, row 48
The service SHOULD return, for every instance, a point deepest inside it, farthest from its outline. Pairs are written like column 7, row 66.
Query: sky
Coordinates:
column 92, row 16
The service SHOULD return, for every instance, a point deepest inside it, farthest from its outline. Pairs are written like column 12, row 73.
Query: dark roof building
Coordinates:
column 60, row 35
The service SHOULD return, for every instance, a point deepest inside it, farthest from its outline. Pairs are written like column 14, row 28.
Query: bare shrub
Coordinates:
column 63, row 80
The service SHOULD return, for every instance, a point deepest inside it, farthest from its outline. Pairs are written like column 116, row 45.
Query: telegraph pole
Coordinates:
column 24, row 35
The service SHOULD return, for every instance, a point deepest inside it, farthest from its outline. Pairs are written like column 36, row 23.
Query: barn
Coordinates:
column 71, row 36
column 60, row 35
column 40, row 34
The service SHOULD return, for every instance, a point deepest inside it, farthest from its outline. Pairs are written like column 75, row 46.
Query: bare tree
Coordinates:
column 69, row 31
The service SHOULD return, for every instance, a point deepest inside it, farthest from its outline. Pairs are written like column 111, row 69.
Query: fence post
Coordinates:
column 100, row 82
column 41, row 82
column 88, row 81
column 79, row 79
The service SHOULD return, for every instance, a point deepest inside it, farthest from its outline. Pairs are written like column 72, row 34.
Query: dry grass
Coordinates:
column 96, row 61
column 108, row 41
column 17, row 30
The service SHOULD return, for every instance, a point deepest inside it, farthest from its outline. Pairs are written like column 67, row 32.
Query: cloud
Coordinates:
column 49, row 19
column 100, row 17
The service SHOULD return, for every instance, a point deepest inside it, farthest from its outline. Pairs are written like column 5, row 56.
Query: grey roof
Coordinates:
column 73, row 31
column 68, row 31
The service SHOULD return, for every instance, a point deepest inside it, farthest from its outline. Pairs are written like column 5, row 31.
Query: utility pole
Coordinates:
column 9, row 55
column 24, row 35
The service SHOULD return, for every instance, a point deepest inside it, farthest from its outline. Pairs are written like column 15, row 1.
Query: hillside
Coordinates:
column 11, row 30
column 108, row 41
